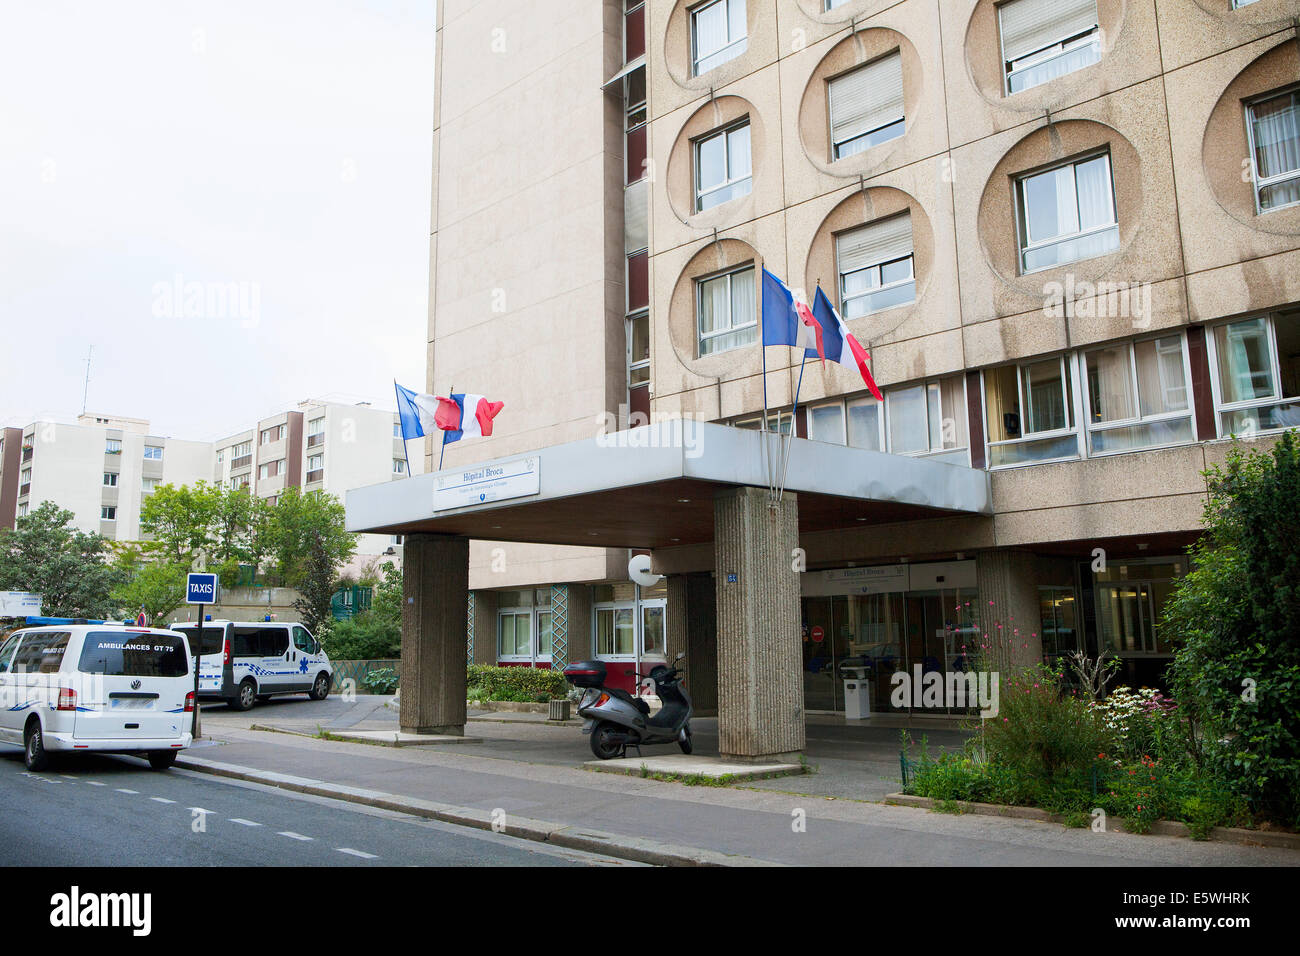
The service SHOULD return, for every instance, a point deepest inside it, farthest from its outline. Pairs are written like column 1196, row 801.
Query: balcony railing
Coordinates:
column 242, row 462
column 314, row 440
column 317, row 475
column 27, row 453
column 24, row 489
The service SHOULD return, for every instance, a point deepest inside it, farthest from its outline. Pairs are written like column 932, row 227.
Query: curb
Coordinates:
column 635, row 849
column 1239, row 835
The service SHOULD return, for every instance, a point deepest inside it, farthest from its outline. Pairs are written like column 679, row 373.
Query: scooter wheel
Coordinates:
column 601, row 745
column 685, row 742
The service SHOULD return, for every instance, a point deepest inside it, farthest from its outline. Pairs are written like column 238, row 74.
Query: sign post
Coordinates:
column 200, row 589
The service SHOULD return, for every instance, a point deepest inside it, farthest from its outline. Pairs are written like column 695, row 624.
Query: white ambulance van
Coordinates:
column 96, row 687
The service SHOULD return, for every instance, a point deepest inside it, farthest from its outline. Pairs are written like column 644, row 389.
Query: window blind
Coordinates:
column 874, row 243
column 866, row 99
column 1030, row 25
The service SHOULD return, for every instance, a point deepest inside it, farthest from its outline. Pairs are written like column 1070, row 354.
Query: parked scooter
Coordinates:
column 616, row 720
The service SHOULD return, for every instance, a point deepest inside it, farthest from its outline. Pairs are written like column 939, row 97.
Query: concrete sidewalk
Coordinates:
column 632, row 816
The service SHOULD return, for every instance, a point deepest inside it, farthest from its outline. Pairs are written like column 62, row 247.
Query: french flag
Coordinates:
column 788, row 322
column 840, row 345
column 417, row 412
column 463, row 415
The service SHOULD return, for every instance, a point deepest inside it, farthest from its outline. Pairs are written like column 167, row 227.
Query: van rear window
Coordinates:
column 213, row 638
column 124, row 654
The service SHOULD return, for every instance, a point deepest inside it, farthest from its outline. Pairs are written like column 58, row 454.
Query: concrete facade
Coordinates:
column 1092, row 389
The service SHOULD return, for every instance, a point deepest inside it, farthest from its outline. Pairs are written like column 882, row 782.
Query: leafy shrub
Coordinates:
column 381, row 680
column 365, row 637
column 521, row 684
column 1039, row 731
column 1235, row 623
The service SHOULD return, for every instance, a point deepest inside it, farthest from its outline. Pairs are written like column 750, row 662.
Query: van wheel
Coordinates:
column 161, row 759
column 601, row 745
column 34, row 755
column 246, row 697
column 321, row 689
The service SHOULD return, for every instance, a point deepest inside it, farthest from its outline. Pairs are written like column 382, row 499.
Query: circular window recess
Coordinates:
column 1225, row 146
column 1252, row 14
column 716, row 116
column 988, row 71
column 874, row 49
column 1044, row 148
column 714, row 261
column 679, row 51
column 862, row 208
column 853, row 10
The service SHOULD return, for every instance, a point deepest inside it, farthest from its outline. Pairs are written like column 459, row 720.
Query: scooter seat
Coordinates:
column 636, row 702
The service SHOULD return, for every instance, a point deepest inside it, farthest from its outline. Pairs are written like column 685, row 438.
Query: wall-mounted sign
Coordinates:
column 497, row 482
column 19, row 604
column 732, row 577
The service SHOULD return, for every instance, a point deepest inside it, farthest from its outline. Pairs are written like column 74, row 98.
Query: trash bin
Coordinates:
column 857, row 698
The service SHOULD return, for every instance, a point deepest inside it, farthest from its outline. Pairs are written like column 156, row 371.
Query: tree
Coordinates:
column 376, row 633
column 182, row 520
column 157, row 586
column 1236, row 625
column 317, row 584
column 306, row 527
column 44, row 554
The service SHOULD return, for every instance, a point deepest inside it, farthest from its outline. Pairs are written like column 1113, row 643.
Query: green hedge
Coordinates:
column 522, row 684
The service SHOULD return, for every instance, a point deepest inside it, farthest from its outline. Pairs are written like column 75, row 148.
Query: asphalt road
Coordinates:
column 93, row 810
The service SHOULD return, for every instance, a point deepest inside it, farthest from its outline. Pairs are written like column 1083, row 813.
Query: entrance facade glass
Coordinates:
column 866, row 624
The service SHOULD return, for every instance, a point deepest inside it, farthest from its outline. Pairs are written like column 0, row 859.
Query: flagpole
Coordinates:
column 794, row 424
column 406, row 452
column 767, row 464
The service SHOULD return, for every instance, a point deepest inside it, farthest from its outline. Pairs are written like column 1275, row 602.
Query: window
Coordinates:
column 112, row 447
column 271, row 468
column 929, row 419
column 826, row 423
column 304, row 641
column 634, row 128
column 1138, row 395
column 1238, row 4
column 147, row 655
column 755, row 424
column 718, row 33
column 274, row 433
column 638, row 349
column 1130, row 598
column 149, row 484
column 545, row 634
column 1044, row 39
column 399, row 466
column 722, row 167
column 22, row 510
column 110, row 479
column 397, row 429
column 866, row 106
column 516, row 634
column 41, row 652
column 865, row 424
column 1029, row 412
column 108, row 513
column 7, row 651
column 726, row 311
column 153, row 452
column 1274, row 128
column 875, row 266
column 1067, row 214
column 615, row 632
column 315, row 462
column 1057, row 623
column 221, row 456
column 832, row 4
column 1257, row 387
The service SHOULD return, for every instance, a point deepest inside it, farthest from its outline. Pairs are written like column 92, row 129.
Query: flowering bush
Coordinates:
column 1040, row 731
column 1137, row 722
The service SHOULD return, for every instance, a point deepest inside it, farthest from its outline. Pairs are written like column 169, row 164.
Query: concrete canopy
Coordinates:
column 654, row 486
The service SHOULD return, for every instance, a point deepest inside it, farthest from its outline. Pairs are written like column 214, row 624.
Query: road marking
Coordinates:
column 124, row 790
column 162, row 800
column 293, row 836
column 352, row 852
column 96, row 783
column 200, row 810
column 243, row 822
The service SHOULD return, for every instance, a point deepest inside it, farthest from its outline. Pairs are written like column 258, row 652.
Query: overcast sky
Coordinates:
column 268, row 159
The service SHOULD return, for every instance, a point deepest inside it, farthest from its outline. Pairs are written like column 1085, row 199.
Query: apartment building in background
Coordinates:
column 100, row 469
column 1066, row 231
column 319, row 446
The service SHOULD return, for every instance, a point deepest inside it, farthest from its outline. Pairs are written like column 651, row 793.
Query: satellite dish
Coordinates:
column 638, row 569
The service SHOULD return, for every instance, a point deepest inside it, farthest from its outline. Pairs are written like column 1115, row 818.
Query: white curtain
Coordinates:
column 711, row 29
column 1277, row 148
column 1096, row 207
column 1111, row 382
column 742, row 299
